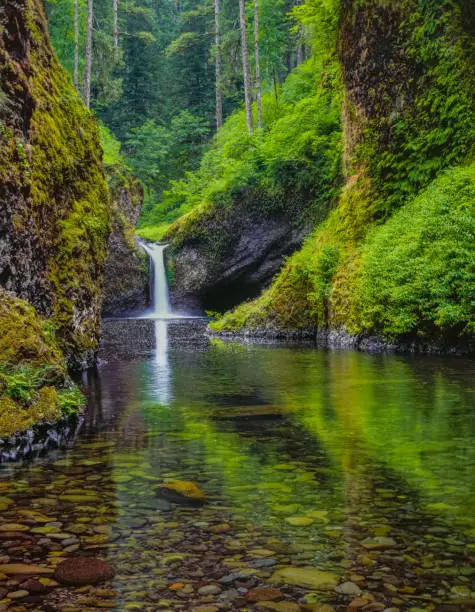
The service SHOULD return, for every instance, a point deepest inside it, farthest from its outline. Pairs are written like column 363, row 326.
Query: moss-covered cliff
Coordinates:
column 54, row 214
column 396, row 256
column 54, row 225
column 126, row 273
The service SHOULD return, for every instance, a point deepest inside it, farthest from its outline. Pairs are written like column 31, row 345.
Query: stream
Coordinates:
column 335, row 480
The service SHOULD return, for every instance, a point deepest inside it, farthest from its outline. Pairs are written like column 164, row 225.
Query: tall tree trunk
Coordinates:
column 116, row 23
column 258, row 64
column 88, row 68
column 76, row 45
column 219, row 98
column 245, row 65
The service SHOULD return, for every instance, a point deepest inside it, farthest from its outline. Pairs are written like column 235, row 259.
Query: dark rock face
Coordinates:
column 212, row 275
column 126, row 275
column 54, row 212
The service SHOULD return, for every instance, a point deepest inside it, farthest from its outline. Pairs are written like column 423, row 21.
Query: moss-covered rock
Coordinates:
column 54, row 218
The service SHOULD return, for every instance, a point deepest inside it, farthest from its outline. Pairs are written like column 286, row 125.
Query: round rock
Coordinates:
column 81, row 571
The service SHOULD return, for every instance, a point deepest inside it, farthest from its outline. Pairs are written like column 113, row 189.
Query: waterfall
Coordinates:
column 160, row 299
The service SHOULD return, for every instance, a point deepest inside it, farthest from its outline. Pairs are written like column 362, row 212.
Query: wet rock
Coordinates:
column 33, row 586
column 17, row 569
column 18, row 594
column 209, row 589
column 283, row 606
column 79, row 571
column 378, row 542
column 306, row 577
column 299, row 521
column 348, row 588
column 264, row 594
column 230, row 578
column 182, row 492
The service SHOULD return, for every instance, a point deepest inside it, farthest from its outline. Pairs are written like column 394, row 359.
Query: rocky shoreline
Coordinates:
column 40, row 439
column 341, row 339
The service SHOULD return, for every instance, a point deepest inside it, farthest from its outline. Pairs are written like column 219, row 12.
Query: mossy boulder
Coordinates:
column 55, row 213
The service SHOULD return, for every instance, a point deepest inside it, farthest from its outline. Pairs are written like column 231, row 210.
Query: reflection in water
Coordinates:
column 162, row 374
column 355, row 464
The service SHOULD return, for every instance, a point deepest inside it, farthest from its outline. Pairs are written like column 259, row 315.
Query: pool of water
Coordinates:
column 333, row 478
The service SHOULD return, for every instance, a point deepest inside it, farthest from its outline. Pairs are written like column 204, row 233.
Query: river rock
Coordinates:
column 348, row 588
column 282, row 606
column 180, row 491
column 18, row 569
column 263, row 594
column 81, row 571
column 378, row 542
column 308, row 577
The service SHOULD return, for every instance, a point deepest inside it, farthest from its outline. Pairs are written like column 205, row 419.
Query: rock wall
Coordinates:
column 228, row 255
column 126, row 275
column 55, row 211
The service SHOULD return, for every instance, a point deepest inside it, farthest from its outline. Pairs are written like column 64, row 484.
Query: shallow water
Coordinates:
column 358, row 465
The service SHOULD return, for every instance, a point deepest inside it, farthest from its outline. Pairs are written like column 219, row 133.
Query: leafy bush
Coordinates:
column 418, row 272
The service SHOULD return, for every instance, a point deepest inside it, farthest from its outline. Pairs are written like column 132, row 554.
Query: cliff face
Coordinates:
column 228, row 255
column 394, row 257
column 54, row 214
column 126, row 275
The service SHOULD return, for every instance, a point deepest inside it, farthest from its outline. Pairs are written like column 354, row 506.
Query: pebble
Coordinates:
column 18, row 594
column 209, row 589
column 348, row 588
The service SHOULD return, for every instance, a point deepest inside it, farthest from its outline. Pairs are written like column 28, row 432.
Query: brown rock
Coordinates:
column 263, row 594
column 33, row 586
column 17, row 569
column 358, row 602
column 80, row 571
column 283, row 606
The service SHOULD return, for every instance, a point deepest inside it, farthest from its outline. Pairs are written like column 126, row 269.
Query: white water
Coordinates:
column 160, row 298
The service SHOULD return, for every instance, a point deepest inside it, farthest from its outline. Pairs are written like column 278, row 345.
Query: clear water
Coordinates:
column 355, row 464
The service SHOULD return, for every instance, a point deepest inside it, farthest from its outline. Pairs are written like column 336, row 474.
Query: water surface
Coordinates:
column 354, row 464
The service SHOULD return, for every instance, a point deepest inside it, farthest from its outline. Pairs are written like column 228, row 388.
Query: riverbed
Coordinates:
column 332, row 478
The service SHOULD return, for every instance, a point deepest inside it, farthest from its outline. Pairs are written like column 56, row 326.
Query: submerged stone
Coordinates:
column 180, row 491
column 80, row 571
column 309, row 577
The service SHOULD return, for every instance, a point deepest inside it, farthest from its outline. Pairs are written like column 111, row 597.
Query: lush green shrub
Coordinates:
column 418, row 272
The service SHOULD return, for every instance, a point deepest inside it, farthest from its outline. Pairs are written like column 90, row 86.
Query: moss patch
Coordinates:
column 34, row 385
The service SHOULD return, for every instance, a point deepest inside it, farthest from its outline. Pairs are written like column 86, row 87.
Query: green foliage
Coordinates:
column 292, row 165
column 418, row 272
column 70, row 401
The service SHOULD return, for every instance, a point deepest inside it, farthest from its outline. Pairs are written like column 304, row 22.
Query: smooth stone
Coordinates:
column 18, row 594
column 263, row 594
column 233, row 577
column 209, row 589
column 182, row 491
column 348, row 588
column 14, row 527
column 33, row 586
column 299, row 521
column 378, row 542
column 17, row 569
column 79, row 571
column 206, row 609
column 283, row 606
column 259, row 563
column 306, row 577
